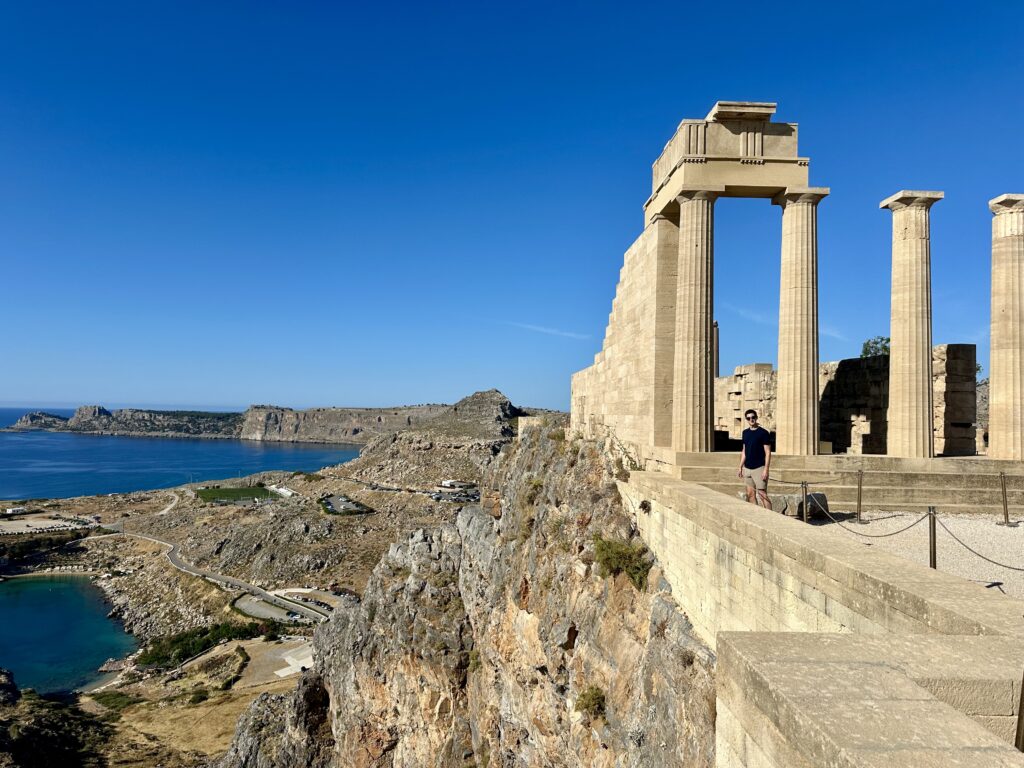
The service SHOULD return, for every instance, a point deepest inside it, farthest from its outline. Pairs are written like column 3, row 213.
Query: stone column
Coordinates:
column 663, row 239
column 693, row 386
column 796, row 404
column 911, row 428
column 1006, row 364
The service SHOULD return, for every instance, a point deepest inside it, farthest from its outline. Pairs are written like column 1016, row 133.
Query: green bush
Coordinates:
column 199, row 696
column 173, row 649
column 533, row 490
column 615, row 557
column 114, row 700
column 591, row 701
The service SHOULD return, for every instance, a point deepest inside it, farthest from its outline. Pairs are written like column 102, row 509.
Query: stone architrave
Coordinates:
column 796, row 409
column 911, row 429
column 693, row 389
column 1006, row 379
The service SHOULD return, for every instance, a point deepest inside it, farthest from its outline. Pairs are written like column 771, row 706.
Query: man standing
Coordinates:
column 755, row 458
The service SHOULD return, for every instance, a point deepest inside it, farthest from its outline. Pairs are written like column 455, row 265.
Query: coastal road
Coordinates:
column 310, row 612
column 174, row 558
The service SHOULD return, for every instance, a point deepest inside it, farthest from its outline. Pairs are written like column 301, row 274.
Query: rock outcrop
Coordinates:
column 458, row 443
column 40, row 420
column 502, row 640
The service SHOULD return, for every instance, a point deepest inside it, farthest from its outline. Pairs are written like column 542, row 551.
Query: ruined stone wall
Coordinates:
column 854, row 401
column 751, row 386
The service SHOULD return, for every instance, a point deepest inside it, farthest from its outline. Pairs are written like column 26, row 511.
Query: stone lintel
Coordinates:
column 1007, row 203
column 801, row 195
column 908, row 197
column 742, row 110
column 700, row 192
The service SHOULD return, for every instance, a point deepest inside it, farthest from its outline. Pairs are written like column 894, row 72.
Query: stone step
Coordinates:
column 848, row 462
column 885, row 498
column 875, row 479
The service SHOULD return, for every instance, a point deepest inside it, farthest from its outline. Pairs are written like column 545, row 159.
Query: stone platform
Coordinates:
column 831, row 653
column 952, row 485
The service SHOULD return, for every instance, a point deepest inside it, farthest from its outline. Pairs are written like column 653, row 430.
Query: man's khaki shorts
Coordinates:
column 753, row 477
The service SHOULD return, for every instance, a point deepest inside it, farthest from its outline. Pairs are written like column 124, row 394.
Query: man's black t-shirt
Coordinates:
column 754, row 441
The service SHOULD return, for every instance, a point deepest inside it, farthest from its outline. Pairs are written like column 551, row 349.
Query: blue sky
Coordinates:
column 370, row 204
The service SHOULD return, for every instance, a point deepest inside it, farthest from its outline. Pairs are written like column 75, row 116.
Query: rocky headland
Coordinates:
column 267, row 423
column 506, row 637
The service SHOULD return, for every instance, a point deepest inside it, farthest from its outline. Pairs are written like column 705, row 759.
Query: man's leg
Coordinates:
column 762, row 494
column 751, row 491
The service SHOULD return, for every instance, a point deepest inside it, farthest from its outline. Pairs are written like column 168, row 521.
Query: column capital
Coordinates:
column 700, row 192
column 1008, row 203
column 660, row 217
column 911, row 198
column 807, row 195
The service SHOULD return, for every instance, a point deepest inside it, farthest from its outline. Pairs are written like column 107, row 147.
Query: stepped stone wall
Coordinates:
column 620, row 391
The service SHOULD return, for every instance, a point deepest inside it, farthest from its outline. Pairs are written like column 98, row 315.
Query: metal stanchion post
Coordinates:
column 1006, row 507
column 931, row 538
column 803, row 489
column 860, row 488
column 1019, row 741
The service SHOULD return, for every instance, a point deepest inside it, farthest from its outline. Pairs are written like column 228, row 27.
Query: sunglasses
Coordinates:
column 751, row 418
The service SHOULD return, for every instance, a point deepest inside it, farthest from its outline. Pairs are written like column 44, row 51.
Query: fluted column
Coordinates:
column 693, row 386
column 796, row 404
column 1006, row 364
column 911, row 428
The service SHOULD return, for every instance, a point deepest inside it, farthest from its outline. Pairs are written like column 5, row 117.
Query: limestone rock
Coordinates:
column 473, row 641
column 9, row 693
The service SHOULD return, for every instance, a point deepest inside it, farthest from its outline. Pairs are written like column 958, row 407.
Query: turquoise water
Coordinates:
column 54, row 465
column 54, row 632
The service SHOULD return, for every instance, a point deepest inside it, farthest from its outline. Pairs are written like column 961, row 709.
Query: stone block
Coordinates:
column 791, row 504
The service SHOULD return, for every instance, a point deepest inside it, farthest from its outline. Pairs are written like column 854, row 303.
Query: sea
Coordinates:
column 36, row 465
column 55, row 632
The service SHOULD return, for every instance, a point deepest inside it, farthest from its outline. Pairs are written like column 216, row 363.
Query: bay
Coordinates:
column 55, row 632
column 58, row 464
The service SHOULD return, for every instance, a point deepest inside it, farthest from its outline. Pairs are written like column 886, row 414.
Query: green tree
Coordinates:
column 878, row 345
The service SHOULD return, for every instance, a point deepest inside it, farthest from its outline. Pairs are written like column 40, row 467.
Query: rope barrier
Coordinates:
column 955, row 538
column 959, row 541
column 860, row 533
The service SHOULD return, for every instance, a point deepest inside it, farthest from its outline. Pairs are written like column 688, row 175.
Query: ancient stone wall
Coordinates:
column 616, row 393
column 854, row 399
column 884, row 661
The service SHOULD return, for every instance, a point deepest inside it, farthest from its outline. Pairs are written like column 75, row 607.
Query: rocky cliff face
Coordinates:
column 498, row 641
column 458, row 443
column 331, row 425
column 96, row 419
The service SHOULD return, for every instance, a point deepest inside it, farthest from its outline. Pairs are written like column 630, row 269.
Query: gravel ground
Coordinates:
column 979, row 531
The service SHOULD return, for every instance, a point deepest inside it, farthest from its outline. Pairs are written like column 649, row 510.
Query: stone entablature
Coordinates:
column 737, row 147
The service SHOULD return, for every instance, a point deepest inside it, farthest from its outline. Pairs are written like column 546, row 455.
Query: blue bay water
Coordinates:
column 55, row 633
column 55, row 464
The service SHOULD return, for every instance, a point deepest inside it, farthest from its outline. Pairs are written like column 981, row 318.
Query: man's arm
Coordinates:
column 767, row 459
column 743, row 456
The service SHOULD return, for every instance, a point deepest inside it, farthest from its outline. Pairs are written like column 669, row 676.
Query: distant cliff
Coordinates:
column 331, row 425
column 97, row 420
column 267, row 423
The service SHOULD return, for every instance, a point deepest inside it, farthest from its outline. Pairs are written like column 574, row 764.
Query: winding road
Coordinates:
column 220, row 579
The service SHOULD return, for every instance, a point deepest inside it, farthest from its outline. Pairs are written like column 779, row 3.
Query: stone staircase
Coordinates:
column 951, row 485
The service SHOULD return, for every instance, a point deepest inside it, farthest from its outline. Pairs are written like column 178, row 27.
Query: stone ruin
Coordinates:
column 853, row 402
